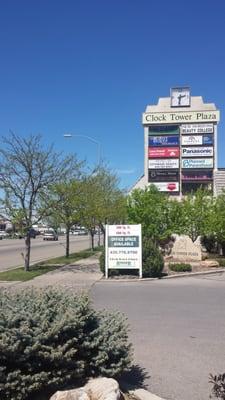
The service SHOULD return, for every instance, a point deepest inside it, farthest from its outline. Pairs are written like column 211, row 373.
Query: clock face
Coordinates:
column 180, row 97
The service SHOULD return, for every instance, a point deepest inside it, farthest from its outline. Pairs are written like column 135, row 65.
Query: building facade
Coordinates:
column 180, row 144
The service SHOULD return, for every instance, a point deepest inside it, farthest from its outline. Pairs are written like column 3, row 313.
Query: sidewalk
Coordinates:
column 79, row 276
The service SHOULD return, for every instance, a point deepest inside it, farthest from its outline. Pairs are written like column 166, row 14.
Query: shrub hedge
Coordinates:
column 49, row 339
column 180, row 267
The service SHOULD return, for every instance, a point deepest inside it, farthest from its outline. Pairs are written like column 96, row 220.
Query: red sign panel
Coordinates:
column 167, row 152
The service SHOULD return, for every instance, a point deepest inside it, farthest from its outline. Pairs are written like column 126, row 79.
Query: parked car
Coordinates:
column 3, row 235
column 50, row 235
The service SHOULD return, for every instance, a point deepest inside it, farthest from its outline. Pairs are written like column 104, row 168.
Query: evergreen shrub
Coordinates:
column 218, row 390
column 49, row 339
column 180, row 267
column 152, row 259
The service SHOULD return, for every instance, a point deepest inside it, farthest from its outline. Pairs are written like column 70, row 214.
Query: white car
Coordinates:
column 50, row 235
column 3, row 234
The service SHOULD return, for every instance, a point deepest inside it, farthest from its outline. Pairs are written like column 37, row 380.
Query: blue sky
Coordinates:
column 91, row 67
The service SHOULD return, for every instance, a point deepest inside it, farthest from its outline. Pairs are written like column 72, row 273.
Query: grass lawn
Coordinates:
column 18, row 274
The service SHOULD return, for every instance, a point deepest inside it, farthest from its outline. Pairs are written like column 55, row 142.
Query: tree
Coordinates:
column 196, row 214
column 66, row 203
column 27, row 170
column 151, row 209
column 103, row 202
column 217, row 220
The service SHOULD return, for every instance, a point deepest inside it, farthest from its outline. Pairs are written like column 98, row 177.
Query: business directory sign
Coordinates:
column 123, row 248
column 197, row 163
column 163, row 175
column 193, row 140
column 197, row 151
column 163, row 152
column 167, row 186
column 172, row 140
column 163, row 163
column 196, row 128
column 193, row 176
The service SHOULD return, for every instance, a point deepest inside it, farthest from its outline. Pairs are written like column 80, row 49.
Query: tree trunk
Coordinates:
column 67, row 242
column 92, row 240
column 27, row 253
column 103, row 230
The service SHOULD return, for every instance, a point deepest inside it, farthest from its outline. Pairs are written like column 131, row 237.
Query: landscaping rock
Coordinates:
column 95, row 389
column 75, row 394
column 103, row 389
column 209, row 264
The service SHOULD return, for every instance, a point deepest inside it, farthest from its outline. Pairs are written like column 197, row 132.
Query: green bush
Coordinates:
column 49, row 339
column 152, row 259
column 180, row 267
column 221, row 261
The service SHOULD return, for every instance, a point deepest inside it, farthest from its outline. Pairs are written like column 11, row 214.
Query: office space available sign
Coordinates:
column 167, row 186
column 123, row 247
column 198, row 163
column 197, row 151
column 197, row 140
column 164, row 140
column 163, row 164
column 158, row 152
column 196, row 128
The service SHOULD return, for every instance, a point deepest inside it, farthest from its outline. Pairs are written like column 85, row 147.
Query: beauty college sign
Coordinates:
column 123, row 247
column 157, row 152
column 196, row 128
column 198, row 163
column 197, row 151
column 180, row 116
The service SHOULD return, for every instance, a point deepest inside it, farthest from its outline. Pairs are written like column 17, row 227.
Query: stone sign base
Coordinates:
column 185, row 250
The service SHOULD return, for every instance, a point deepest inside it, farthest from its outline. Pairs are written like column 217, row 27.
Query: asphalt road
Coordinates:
column 177, row 329
column 11, row 249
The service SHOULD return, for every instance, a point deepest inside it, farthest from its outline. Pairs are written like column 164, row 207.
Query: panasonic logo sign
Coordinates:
column 197, row 151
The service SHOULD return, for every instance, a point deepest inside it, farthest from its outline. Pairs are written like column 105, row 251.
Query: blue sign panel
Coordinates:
column 164, row 140
column 207, row 139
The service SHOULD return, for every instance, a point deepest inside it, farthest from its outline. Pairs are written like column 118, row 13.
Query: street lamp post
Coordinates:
column 69, row 135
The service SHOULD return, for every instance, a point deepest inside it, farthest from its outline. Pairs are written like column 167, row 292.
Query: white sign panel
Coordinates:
column 123, row 247
column 191, row 140
column 198, row 163
column 196, row 128
column 197, row 151
column 180, row 116
column 163, row 164
column 167, row 186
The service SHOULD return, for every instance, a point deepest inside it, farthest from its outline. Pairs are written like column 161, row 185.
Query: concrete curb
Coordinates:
column 184, row 275
column 143, row 394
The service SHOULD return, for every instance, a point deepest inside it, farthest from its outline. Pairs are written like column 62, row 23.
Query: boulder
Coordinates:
column 95, row 389
column 210, row 264
column 103, row 389
column 185, row 250
column 74, row 394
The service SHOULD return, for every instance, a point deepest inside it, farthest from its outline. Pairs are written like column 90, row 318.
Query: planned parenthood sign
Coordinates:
column 123, row 248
